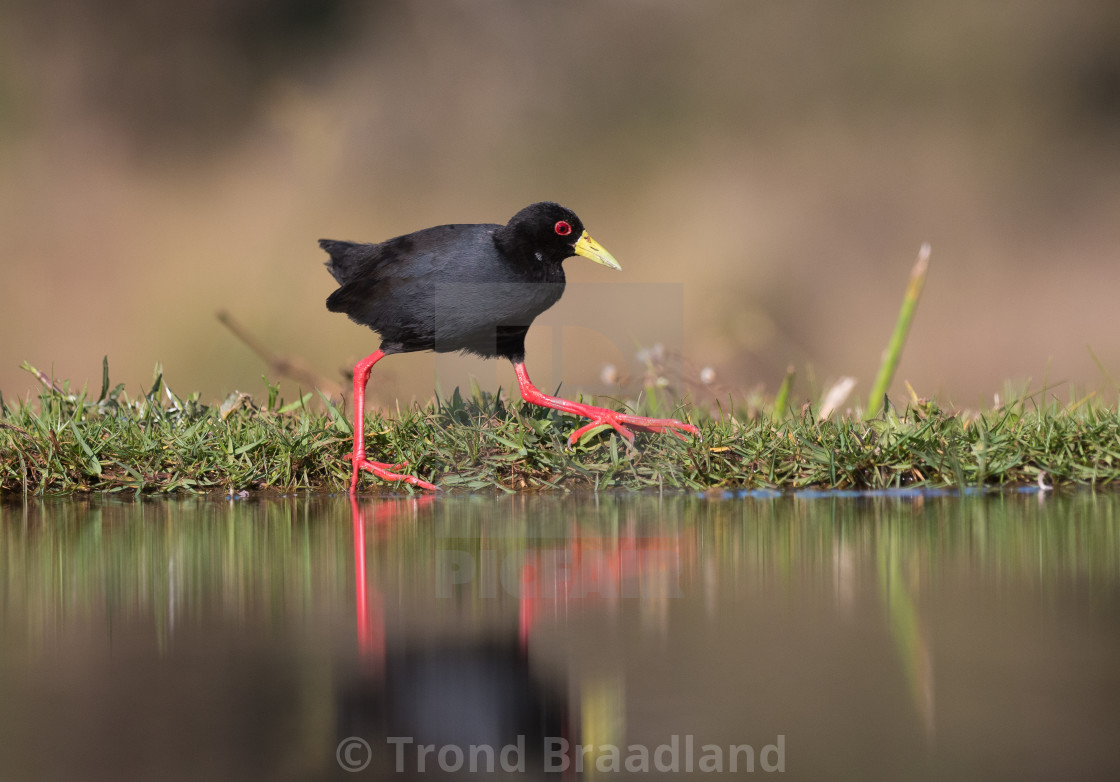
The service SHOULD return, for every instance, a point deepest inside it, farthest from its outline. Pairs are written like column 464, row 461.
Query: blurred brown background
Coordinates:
column 778, row 164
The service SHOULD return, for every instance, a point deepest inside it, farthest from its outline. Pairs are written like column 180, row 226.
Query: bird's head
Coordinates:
column 552, row 232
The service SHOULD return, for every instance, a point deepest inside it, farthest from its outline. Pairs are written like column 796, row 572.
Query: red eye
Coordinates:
column 562, row 228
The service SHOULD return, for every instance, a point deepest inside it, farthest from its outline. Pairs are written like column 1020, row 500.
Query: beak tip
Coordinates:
column 592, row 250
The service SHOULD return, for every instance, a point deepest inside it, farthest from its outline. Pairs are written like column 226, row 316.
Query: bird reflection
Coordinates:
column 478, row 697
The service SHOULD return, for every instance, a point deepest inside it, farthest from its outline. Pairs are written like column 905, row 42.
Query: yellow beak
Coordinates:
column 589, row 248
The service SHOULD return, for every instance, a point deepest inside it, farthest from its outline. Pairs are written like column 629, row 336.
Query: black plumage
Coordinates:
column 475, row 288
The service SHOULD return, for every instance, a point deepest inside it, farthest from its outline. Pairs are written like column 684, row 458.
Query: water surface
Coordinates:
column 807, row 638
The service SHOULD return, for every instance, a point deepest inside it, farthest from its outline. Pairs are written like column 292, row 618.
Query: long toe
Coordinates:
column 421, row 484
column 659, row 424
column 573, row 438
column 692, row 430
column 386, row 473
column 677, row 427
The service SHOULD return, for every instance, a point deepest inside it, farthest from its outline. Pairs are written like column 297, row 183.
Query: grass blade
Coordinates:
column 781, row 401
column 104, row 378
column 901, row 329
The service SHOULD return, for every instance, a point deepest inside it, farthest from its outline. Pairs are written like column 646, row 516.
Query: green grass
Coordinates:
column 158, row 442
column 893, row 354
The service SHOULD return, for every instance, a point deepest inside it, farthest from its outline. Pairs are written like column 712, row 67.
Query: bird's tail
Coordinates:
column 346, row 258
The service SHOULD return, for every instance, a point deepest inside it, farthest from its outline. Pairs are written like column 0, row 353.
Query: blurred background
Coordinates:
column 767, row 171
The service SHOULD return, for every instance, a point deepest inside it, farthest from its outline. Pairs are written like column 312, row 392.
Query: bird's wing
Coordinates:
column 410, row 256
column 408, row 266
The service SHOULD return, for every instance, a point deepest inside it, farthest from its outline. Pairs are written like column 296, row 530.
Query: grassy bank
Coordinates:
column 159, row 442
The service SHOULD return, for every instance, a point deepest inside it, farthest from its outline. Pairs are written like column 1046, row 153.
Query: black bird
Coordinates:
column 475, row 288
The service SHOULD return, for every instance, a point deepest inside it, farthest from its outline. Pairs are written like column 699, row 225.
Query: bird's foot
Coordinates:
column 386, row 472
column 601, row 416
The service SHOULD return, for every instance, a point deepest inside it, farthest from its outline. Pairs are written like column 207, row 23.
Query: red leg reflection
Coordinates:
column 370, row 619
column 369, row 605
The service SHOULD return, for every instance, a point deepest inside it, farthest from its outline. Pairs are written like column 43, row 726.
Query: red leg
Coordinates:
column 359, row 460
column 600, row 416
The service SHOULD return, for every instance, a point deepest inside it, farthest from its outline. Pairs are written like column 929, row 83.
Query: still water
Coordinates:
column 313, row 638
